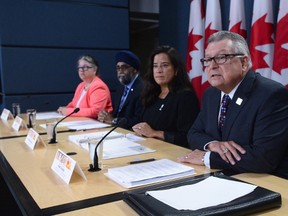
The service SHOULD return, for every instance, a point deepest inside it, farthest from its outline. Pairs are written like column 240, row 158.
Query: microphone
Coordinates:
column 53, row 139
column 95, row 166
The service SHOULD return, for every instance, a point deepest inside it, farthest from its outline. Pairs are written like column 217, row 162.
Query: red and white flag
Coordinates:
column 213, row 21
column 199, row 31
column 262, row 37
column 237, row 21
column 280, row 63
column 195, row 50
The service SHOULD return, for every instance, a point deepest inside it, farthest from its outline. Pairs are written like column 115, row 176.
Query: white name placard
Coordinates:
column 6, row 114
column 18, row 123
column 64, row 166
column 33, row 138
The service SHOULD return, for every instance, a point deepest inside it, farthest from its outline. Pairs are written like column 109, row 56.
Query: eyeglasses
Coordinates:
column 122, row 67
column 219, row 59
column 84, row 68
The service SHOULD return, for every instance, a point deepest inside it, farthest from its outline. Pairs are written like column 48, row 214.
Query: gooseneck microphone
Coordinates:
column 53, row 139
column 95, row 166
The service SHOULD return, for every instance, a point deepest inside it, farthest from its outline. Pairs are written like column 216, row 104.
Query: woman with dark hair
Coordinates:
column 92, row 95
column 170, row 104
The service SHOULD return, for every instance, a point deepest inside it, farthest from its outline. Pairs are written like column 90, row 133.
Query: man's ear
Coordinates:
column 244, row 61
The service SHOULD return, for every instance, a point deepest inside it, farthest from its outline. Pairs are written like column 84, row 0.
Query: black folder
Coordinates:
column 259, row 200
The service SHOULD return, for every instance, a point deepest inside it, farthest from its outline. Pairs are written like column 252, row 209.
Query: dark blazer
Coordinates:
column 259, row 124
column 132, row 107
column 174, row 115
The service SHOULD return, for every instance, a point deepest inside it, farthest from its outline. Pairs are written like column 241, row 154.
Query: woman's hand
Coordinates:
column 144, row 129
column 62, row 110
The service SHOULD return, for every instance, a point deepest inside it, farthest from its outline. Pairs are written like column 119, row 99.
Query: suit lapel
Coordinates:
column 130, row 92
column 118, row 96
column 239, row 100
column 214, row 110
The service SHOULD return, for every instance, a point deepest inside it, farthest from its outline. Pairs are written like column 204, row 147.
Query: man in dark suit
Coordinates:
column 251, row 133
column 127, row 102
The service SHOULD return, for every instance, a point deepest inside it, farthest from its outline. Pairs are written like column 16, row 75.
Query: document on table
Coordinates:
column 48, row 115
column 81, row 125
column 115, row 145
column 210, row 192
column 84, row 124
column 81, row 139
column 149, row 172
column 121, row 147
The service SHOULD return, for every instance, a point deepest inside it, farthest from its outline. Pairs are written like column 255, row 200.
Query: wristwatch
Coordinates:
column 115, row 121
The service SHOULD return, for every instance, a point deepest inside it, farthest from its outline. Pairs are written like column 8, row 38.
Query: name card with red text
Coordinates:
column 6, row 114
column 64, row 166
column 18, row 123
column 33, row 138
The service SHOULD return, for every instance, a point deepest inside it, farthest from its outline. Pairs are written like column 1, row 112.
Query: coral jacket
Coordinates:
column 97, row 98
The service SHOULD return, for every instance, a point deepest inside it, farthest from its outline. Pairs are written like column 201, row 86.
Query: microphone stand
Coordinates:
column 53, row 139
column 95, row 166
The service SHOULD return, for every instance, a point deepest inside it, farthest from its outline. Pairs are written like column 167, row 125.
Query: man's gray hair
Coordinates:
column 239, row 44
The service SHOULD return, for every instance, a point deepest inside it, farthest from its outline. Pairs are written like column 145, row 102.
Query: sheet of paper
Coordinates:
column 121, row 147
column 134, row 138
column 115, row 144
column 149, row 172
column 210, row 192
column 48, row 115
column 81, row 125
column 84, row 124
column 93, row 137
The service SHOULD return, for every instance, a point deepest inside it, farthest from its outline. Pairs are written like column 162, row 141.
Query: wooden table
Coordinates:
column 120, row 208
column 7, row 132
column 39, row 190
column 273, row 183
column 117, row 208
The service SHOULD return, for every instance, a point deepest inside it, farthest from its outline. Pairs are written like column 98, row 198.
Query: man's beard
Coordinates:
column 125, row 80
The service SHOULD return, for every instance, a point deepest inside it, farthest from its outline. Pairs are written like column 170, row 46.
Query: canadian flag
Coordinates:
column 195, row 50
column 237, row 21
column 280, row 64
column 213, row 22
column 262, row 38
column 199, row 31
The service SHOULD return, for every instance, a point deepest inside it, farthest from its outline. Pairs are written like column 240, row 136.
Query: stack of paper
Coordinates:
column 81, row 139
column 209, row 188
column 147, row 173
column 114, row 145
column 48, row 115
column 84, row 124
column 121, row 147
column 81, row 125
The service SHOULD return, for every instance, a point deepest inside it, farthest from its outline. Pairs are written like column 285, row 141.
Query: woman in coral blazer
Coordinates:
column 92, row 95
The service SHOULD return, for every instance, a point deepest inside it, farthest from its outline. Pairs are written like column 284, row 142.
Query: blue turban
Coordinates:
column 129, row 58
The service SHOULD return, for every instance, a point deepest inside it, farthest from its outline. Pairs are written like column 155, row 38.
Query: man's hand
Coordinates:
column 195, row 157
column 228, row 150
column 105, row 116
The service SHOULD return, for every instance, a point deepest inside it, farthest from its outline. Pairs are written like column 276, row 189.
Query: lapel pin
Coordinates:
column 239, row 101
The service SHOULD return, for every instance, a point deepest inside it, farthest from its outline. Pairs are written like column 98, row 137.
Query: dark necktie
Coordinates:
column 224, row 107
column 123, row 98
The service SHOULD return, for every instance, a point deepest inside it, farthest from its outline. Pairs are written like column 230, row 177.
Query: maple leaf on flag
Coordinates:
column 258, row 40
column 237, row 28
column 192, row 40
column 281, row 52
column 209, row 31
